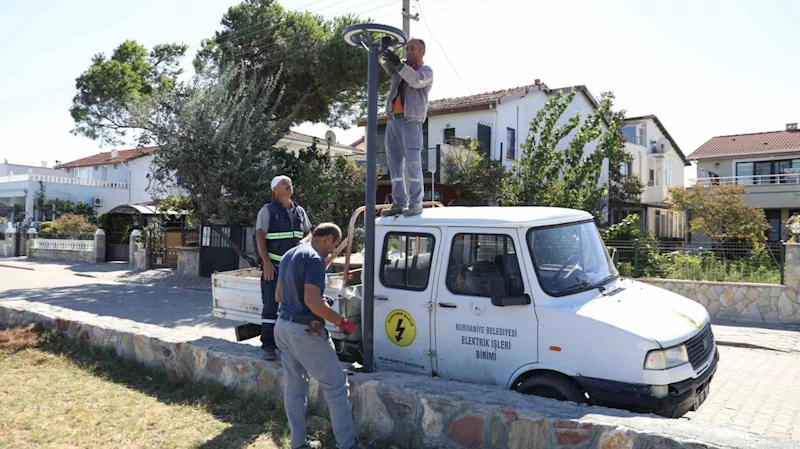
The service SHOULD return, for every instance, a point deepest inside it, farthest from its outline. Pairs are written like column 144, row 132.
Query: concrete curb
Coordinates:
column 411, row 410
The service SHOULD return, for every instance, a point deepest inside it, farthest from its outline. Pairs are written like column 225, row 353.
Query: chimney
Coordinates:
column 44, row 164
column 537, row 81
column 114, row 153
column 791, row 127
column 58, row 162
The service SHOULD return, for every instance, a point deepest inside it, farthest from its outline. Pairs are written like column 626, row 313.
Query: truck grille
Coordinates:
column 700, row 347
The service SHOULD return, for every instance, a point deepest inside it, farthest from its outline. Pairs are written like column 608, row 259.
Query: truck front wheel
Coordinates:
column 553, row 386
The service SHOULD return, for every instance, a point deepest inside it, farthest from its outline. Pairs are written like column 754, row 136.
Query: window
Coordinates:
column 761, row 172
column 744, row 173
column 570, row 258
column 485, row 139
column 774, row 220
column 511, row 143
column 634, row 134
column 406, row 262
column 449, row 133
column 652, row 180
column 668, row 173
column 481, row 263
column 625, row 169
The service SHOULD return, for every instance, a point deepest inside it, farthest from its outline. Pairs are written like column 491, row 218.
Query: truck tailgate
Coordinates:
column 237, row 295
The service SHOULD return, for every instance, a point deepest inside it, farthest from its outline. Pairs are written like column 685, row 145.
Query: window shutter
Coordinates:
column 485, row 139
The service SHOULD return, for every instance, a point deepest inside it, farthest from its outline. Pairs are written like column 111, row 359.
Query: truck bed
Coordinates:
column 237, row 296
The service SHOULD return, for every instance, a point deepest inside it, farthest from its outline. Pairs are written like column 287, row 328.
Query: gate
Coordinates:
column 215, row 252
column 163, row 246
column 117, row 247
column 118, row 231
column 21, row 242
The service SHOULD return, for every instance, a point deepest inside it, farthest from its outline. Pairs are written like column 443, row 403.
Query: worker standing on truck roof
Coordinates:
column 280, row 226
column 406, row 107
column 306, row 347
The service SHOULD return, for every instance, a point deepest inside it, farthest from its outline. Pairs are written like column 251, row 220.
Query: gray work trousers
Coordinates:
column 303, row 355
column 404, row 151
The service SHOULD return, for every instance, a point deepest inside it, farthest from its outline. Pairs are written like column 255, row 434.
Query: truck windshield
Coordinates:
column 570, row 258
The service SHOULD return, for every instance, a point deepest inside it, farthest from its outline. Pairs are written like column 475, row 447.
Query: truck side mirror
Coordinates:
column 500, row 296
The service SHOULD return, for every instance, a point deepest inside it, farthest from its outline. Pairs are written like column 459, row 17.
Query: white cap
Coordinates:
column 277, row 180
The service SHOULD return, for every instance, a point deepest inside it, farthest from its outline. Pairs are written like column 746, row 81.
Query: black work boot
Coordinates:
column 396, row 209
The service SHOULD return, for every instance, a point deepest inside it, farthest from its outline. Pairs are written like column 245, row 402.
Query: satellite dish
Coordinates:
column 330, row 137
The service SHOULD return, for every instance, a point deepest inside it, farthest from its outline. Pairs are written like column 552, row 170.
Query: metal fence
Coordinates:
column 732, row 262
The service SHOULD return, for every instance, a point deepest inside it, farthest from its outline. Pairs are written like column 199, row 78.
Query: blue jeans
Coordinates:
column 404, row 150
column 304, row 355
column 269, row 311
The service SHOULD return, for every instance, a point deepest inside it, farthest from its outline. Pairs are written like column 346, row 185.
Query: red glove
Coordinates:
column 347, row 326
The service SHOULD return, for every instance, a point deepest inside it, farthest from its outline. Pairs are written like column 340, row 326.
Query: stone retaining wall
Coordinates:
column 734, row 301
column 411, row 411
column 61, row 254
column 189, row 260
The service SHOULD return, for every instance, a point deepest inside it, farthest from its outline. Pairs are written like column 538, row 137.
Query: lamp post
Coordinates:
column 374, row 38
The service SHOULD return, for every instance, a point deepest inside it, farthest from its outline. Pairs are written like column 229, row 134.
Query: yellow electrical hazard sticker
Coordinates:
column 400, row 327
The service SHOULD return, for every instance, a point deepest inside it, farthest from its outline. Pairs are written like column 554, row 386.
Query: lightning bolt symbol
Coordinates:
column 399, row 329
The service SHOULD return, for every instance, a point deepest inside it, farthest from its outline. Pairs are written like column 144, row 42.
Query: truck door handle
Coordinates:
column 380, row 298
column 447, row 305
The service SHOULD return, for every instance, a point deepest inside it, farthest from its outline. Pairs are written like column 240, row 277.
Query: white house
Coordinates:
column 19, row 186
column 295, row 141
column 659, row 163
column 106, row 179
column 498, row 120
column 766, row 164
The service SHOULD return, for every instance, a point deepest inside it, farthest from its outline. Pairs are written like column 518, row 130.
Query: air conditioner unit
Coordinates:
column 98, row 202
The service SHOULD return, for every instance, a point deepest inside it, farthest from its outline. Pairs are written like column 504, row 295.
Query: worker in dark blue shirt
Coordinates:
column 306, row 347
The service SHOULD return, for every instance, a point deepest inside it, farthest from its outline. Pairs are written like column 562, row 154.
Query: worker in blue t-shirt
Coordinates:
column 306, row 347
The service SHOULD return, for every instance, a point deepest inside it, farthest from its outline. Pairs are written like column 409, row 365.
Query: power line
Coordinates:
column 31, row 112
column 425, row 21
column 43, row 94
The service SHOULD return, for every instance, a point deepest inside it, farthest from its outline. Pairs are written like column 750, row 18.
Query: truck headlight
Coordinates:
column 661, row 359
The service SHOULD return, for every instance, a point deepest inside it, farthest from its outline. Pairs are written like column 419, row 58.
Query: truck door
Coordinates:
column 404, row 285
column 476, row 341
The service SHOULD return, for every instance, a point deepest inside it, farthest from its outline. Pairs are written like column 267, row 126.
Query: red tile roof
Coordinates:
column 485, row 100
column 357, row 142
column 749, row 144
column 105, row 158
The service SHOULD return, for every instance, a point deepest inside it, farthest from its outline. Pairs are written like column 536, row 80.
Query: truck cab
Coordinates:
column 527, row 298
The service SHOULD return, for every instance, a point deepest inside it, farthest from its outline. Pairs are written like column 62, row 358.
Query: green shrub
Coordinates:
column 70, row 224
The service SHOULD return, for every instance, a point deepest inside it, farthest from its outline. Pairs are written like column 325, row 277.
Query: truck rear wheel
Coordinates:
column 553, row 386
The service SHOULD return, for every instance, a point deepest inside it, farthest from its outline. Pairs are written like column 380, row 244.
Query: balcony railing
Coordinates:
column 633, row 138
column 65, row 180
column 784, row 178
column 430, row 161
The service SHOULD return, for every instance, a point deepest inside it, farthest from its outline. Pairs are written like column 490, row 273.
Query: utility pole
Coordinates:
column 407, row 18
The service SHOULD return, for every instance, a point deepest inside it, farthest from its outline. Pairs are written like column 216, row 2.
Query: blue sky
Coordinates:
column 705, row 68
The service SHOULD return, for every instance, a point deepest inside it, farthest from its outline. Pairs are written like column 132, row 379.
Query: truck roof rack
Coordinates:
column 347, row 243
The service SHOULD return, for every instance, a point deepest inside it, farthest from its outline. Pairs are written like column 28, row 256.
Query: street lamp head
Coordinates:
column 368, row 34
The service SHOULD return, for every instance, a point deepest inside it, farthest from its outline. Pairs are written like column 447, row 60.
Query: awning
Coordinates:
column 140, row 209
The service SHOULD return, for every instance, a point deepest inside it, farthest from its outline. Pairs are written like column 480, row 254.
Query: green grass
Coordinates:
column 57, row 393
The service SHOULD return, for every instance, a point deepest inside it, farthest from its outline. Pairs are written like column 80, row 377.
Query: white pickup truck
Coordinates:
column 522, row 297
